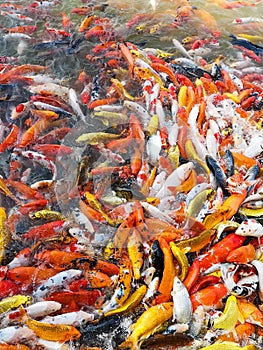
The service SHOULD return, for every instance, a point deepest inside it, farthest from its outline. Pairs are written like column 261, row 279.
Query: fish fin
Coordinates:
column 22, row 314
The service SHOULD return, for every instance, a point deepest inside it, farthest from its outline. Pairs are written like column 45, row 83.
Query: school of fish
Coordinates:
column 131, row 194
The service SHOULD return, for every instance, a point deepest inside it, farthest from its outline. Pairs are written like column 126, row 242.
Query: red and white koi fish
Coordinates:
column 38, row 309
column 20, row 110
column 40, row 159
column 245, row 20
column 16, row 16
column 250, row 227
column 54, row 282
column 22, row 259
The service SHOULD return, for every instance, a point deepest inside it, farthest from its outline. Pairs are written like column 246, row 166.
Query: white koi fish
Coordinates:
column 250, row 227
column 176, row 178
column 182, row 309
column 15, row 334
column 154, row 146
column 55, row 281
column 73, row 101
column 75, row 318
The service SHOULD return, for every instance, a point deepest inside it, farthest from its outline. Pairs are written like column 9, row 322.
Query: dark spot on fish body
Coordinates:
column 258, row 105
column 91, row 262
column 252, row 174
column 183, row 160
column 43, row 288
column 96, row 87
column 190, row 72
column 240, row 291
column 239, row 217
column 157, row 258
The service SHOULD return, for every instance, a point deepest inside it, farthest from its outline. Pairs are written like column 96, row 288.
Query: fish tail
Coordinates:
column 22, row 314
column 129, row 344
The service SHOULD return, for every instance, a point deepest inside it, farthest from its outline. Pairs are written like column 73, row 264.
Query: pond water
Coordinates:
column 159, row 23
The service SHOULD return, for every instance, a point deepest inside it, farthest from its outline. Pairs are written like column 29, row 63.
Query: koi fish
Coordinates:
column 97, row 206
column 225, row 345
column 16, row 16
column 135, row 252
column 244, row 20
column 4, row 189
column 42, row 308
column 4, row 234
column 243, row 287
column 259, row 266
column 16, row 334
column 42, row 160
column 111, row 118
column 15, row 301
column 53, row 332
column 122, row 290
column 55, row 282
column 77, row 318
column 229, row 317
column 95, row 138
column 175, row 179
column 147, row 324
column 182, row 307
column 18, row 346
column 181, row 259
column 252, row 38
column 132, row 301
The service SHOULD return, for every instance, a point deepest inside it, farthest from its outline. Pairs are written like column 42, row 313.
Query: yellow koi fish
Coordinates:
column 13, row 302
column 95, row 204
column 226, row 345
column 122, row 291
column 147, row 324
column 47, row 214
column 135, row 252
column 53, row 332
column 4, row 236
column 133, row 300
column 95, row 138
column 229, row 317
